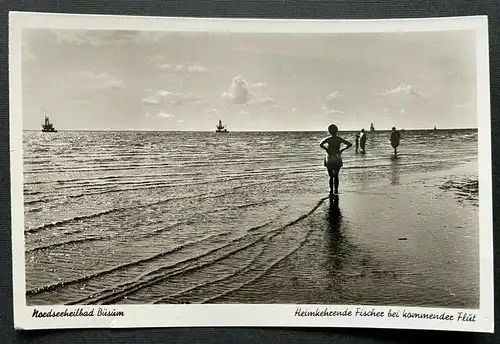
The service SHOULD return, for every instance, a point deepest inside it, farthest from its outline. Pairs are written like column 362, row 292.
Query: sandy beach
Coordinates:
column 384, row 242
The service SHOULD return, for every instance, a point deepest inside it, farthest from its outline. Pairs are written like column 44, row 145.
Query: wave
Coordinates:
column 247, row 268
column 134, row 286
column 252, row 237
column 61, row 284
column 149, row 234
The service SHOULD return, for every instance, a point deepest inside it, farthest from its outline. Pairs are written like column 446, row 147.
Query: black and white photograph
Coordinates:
column 215, row 165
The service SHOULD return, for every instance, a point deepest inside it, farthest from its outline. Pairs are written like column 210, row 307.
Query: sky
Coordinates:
column 138, row 80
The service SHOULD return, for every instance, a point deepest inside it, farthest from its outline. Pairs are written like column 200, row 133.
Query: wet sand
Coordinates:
column 410, row 243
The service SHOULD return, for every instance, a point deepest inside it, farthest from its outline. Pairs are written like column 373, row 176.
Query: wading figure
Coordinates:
column 362, row 140
column 395, row 138
column 333, row 160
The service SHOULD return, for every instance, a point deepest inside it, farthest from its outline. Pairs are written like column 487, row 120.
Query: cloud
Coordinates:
column 155, row 58
column 184, row 68
column 239, row 92
column 162, row 97
column 295, row 110
column 333, row 111
column 334, row 95
column 95, row 38
column 165, row 115
column 180, row 121
column 330, row 111
column 403, row 89
column 115, row 84
column 464, row 105
column 259, row 84
column 101, row 80
column 165, row 66
column 151, row 101
column 263, row 101
column 213, row 111
column 78, row 101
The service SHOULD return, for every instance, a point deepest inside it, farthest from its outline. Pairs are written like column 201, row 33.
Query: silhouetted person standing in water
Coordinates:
column 333, row 160
column 362, row 140
column 395, row 138
column 357, row 143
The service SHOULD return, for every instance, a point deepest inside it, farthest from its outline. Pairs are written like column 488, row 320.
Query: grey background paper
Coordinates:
column 312, row 9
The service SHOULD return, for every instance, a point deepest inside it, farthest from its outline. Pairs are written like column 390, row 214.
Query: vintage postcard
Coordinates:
column 242, row 172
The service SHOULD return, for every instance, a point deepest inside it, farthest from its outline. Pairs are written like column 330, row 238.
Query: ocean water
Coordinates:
column 172, row 217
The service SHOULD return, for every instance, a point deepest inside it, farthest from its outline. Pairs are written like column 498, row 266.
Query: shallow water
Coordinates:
column 141, row 217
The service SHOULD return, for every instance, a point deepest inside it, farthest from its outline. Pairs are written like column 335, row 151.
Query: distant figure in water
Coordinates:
column 357, row 143
column 333, row 160
column 395, row 138
column 362, row 140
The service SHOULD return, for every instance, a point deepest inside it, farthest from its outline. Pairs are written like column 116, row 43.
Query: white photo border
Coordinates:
column 262, row 315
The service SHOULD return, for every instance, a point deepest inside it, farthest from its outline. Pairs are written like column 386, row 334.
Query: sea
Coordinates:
column 137, row 217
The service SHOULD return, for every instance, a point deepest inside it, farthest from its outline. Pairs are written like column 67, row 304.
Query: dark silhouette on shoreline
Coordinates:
column 362, row 140
column 333, row 160
column 395, row 139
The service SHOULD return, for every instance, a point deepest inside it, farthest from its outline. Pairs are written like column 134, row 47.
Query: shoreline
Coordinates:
column 362, row 251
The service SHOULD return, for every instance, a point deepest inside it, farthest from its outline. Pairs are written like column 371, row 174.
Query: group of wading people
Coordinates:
column 333, row 160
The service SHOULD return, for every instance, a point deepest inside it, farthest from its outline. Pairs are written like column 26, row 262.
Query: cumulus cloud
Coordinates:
column 239, row 92
column 403, row 89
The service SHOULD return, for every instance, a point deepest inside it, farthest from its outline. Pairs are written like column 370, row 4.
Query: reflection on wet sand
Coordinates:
column 335, row 238
column 395, row 172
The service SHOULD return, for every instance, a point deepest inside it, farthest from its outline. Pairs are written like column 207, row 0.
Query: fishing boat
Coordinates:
column 220, row 128
column 372, row 128
column 48, row 127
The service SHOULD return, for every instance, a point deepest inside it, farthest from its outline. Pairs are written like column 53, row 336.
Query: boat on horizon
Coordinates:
column 372, row 128
column 48, row 127
column 220, row 128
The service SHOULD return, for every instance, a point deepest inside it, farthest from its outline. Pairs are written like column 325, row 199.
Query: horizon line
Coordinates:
column 248, row 131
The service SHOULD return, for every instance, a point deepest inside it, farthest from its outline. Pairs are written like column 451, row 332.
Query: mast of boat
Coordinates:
column 47, row 126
